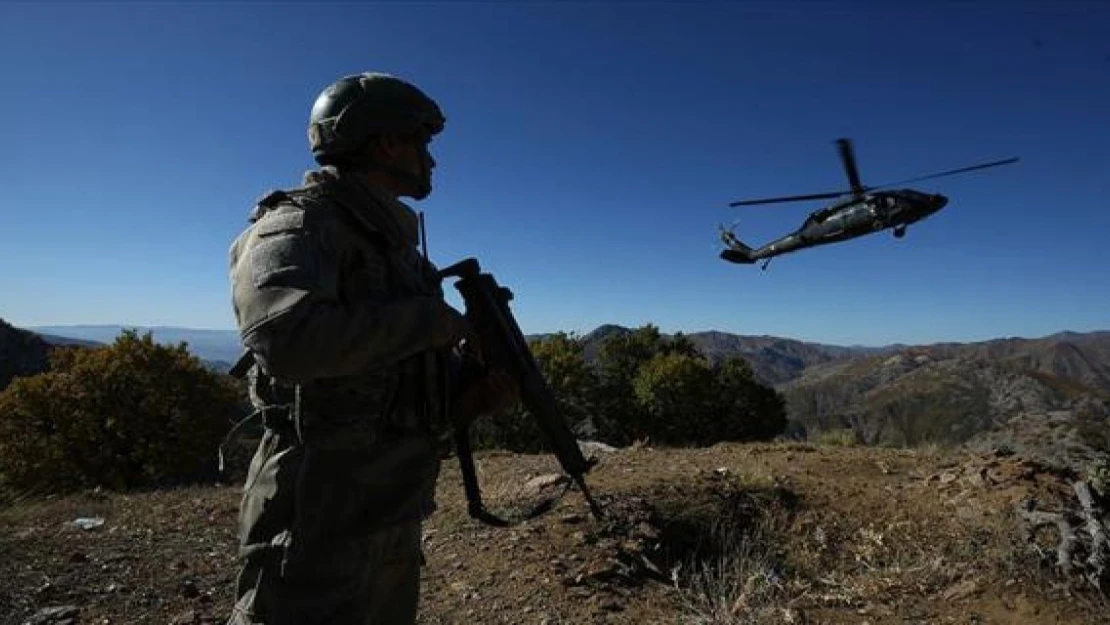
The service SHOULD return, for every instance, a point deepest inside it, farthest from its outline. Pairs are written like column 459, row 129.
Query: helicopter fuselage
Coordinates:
column 856, row 216
column 860, row 210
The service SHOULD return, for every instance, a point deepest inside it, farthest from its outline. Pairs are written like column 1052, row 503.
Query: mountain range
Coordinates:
column 1046, row 397
column 1049, row 394
column 775, row 360
column 213, row 345
column 1080, row 357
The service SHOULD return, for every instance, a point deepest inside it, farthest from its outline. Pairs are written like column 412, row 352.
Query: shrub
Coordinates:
column 675, row 393
column 619, row 361
column 561, row 359
column 133, row 414
column 843, row 437
column 643, row 384
column 1097, row 473
column 746, row 409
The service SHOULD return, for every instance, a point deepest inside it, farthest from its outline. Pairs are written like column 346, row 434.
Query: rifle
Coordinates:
column 504, row 347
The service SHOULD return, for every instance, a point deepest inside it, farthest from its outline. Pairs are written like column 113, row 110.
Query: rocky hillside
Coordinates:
column 22, row 353
column 1047, row 394
column 1081, row 358
column 754, row 534
column 775, row 359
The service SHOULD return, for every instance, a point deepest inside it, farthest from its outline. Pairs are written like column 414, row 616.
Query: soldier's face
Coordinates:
column 415, row 158
column 408, row 162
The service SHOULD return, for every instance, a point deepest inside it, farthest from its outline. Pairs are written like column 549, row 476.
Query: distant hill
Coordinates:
column 219, row 366
column 68, row 341
column 1049, row 397
column 774, row 360
column 22, row 353
column 1004, row 389
column 209, row 345
column 217, row 349
column 1083, row 357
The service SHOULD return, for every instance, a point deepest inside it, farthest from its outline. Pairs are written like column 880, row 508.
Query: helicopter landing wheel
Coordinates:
column 899, row 232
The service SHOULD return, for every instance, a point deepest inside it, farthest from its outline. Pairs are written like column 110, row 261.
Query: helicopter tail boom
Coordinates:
column 737, row 252
column 737, row 256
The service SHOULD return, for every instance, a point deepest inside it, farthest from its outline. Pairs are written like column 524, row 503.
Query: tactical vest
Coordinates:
column 407, row 398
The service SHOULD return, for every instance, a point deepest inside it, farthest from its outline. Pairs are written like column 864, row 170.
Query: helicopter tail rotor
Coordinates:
column 737, row 251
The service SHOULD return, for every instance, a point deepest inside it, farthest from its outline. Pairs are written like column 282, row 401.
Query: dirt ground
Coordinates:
column 768, row 533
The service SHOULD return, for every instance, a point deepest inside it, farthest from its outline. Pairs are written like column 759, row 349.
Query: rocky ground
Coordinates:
column 774, row 533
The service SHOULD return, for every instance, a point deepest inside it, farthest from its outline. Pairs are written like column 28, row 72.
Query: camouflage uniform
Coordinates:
column 349, row 329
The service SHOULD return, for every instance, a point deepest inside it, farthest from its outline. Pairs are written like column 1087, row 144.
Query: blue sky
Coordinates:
column 591, row 151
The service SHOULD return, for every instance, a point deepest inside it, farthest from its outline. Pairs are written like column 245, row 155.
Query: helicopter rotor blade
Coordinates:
column 949, row 172
column 848, row 157
column 789, row 198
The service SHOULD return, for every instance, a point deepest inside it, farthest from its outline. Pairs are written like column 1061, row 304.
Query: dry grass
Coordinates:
column 844, row 437
column 738, row 585
column 766, row 533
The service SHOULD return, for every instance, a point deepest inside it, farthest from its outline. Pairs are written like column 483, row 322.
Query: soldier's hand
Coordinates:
column 464, row 334
column 502, row 393
column 457, row 327
column 494, row 394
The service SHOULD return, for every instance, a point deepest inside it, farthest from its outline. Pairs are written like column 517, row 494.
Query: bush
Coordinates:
column 675, row 393
column 561, row 359
column 134, row 414
column 643, row 385
column 746, row 409
column 620, row 359
column 843, row 437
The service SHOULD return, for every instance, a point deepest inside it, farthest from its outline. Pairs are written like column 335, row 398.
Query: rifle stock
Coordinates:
column 504, row 347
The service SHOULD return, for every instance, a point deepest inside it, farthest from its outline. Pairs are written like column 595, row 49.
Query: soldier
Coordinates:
column 353, row 344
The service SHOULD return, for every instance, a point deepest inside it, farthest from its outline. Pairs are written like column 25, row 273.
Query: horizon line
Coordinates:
column 631, row 327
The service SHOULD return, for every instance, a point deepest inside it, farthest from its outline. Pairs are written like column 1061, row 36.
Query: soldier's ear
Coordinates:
column 385, row 148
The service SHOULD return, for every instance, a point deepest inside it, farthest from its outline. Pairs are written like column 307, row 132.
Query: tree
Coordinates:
column 619, row 361
column 676, row 393
column 562, row 360
column 747, row 410
column 644, row 385
column 132, row 414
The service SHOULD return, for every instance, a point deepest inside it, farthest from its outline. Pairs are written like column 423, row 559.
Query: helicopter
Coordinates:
column 860, row 210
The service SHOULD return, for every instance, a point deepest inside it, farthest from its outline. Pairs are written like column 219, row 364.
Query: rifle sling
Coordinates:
column 475, row 507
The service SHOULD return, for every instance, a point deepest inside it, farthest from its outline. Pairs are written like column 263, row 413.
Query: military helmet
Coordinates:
column 354, row 108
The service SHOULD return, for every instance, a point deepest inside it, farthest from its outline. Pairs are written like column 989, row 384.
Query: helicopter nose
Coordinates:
column 939, row 202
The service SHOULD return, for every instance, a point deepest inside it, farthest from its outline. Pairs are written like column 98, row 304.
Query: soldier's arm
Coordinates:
column 285, row 282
